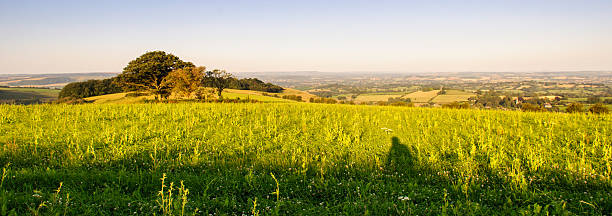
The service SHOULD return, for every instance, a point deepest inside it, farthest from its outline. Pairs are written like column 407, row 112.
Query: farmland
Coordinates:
column 300, row 158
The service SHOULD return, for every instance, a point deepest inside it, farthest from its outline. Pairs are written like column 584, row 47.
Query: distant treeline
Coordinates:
column 253, row 84
column 92, row 88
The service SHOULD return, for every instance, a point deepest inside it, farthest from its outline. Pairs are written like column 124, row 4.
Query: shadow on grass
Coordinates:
column 400, row 157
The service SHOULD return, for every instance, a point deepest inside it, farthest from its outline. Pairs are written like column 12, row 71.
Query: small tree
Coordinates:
column 599, row 109
column 149, row 70
column 574, row 108
column 218, row 79
column 187, row 81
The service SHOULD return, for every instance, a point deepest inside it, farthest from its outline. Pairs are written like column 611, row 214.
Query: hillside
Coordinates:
column 302, row 159
column 17, row 95
column 122, row 98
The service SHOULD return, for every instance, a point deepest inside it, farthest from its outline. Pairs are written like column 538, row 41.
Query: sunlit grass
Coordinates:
column 301, row 158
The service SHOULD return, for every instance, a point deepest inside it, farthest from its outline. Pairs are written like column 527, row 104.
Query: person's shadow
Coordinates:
column 400, row 157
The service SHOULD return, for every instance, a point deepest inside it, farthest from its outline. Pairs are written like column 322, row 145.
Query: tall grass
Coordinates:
column 325, row 158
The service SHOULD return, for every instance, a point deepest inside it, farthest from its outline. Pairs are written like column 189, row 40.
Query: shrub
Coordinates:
column 527, row 107
column 574, row 108
column 457, row 105
column 293, row 97
column 599, row 109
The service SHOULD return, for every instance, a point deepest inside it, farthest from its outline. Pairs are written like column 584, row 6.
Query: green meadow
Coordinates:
column 300, row 159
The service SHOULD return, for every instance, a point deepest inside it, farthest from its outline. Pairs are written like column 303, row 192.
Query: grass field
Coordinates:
column 452, row 96
column 422, row 97
column 300, row 159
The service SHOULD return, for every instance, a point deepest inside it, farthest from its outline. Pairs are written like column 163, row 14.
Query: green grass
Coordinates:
column 301, row 159
column 234, row 95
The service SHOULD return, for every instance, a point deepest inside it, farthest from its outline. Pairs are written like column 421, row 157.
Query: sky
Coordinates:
column 309, row 35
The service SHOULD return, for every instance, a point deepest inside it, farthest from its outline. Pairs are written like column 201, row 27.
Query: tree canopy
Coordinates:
column 187, row 81
column 148, row 71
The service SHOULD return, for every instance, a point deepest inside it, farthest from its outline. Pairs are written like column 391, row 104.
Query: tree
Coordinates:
column 185, row 81
column 149, row 70
column 218, row 79
column 574, row 108
column 598, row 109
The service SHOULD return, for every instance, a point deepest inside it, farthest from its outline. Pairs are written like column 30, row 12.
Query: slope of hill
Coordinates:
column 122, row 98
column 17, row 95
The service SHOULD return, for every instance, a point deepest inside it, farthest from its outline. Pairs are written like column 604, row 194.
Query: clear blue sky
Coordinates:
column 240, row 36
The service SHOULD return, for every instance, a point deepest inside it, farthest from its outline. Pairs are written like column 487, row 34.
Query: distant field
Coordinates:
column 49, row 80
column 422, row 97
column 453, row 96
column 27, row 95
column 288, row 91
column 375, row 97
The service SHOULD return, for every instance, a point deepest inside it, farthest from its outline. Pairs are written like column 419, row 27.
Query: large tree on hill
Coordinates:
column 150, row 69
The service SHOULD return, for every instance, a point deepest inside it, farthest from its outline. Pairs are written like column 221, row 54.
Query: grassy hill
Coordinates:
column 123, row 98
column 27, row 95
column 301, row 159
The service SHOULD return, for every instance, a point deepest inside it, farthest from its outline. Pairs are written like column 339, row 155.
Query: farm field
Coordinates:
column 422, row 97
column 452, row 96
column 300, row 159
column 375, row 97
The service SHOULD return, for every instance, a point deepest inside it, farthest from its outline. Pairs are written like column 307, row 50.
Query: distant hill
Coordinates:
column 54, row 81
column 18, row 95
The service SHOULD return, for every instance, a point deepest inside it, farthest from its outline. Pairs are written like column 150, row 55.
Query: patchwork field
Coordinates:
column 452, row 96
column 375, row 97
column 422, row 97
column 301, row 159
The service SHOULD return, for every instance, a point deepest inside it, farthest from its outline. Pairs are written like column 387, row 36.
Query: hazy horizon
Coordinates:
column 42, row 37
